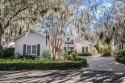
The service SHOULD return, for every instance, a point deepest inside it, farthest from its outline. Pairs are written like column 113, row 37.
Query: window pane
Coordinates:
column 83, row 49
column 28, row 49
column 86, row 49
column 68, row 40
column 34, row 49
column 65, row 48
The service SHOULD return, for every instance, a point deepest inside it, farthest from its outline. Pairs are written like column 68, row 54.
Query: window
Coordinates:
column 68, row 40
column 34, row 49
column 120, row 46
column 65, row 48
column 84, row 49
column 31, row 49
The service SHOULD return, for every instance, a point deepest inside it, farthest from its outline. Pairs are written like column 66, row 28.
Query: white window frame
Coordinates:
column 35, row 49
column 86, row 49
column 31, row 49
column 83, row 51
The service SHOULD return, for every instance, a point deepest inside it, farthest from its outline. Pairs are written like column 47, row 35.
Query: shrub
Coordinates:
column 62, row 54
column 121, row 53
column 107, row 53
column 71, row 58
column 120, row 59
column 8, row 52
column 100, row 48
column 30, row 64
column 74, row 55
column 84, row 61
column 27, row 57
column 85, row 54
column 47, row 54
column 121, row 56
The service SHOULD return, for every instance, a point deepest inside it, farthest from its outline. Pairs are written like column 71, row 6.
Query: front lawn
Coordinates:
column 39, row 63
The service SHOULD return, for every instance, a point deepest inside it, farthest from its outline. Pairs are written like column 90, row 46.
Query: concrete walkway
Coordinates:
column 104, row 64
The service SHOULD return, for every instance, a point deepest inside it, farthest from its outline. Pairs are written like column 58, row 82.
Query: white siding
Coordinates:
column 30, row 39
column 80, row 45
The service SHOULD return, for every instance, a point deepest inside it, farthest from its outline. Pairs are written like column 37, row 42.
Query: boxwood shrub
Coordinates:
column 121, row 56
column 120, row 59
column 38, row 64
column 85, row 54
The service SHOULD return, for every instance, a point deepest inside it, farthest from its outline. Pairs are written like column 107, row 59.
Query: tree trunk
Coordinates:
column 1, row 47
column 54, row 54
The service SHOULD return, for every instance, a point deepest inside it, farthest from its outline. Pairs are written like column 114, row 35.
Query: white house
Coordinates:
column 34, row 43
column 84, row 47
column 118, row 46
column 76, row 44
column 30, row 43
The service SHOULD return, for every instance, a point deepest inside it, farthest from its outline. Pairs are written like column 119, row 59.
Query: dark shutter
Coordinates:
column 38, row 49
column 24, row 49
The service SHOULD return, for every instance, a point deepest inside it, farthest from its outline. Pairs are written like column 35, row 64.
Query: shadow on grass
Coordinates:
column 61, row 76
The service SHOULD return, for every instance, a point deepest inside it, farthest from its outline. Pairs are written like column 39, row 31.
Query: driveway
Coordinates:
column 61, row 76
column 104, row 64
column 100, row 70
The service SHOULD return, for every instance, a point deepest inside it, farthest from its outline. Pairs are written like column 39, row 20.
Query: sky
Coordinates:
column 101, row 11
column 102, row 8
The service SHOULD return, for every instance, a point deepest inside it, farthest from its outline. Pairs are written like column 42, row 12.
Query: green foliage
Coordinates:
column 120, row 59
column 62, row 53
column 121, row 53
column 47, row 54
column 83, row 60
column 85, row 54
column 107, row 53
column 73, row 56
column 30, row 64
column 26, row 57
column 8, row 52
column 101, row 48
column 121, row 56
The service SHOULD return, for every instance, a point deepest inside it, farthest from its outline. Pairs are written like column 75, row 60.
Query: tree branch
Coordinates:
column 15, row 14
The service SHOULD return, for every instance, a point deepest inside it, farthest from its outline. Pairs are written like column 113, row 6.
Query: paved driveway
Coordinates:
column 104, row 64
column 61, row 76
column 100, row 70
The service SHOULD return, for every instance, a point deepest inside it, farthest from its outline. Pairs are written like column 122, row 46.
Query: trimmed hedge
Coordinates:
column 120, row 59
column 121, row 56
column 37, row 64
column 85, row 54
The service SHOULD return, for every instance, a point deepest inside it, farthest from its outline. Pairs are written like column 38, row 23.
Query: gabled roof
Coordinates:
column 31, row 30
column 81, row 40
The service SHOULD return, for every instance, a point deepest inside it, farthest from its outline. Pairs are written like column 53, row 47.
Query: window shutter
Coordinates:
column 24, row 49
column 38, row 49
